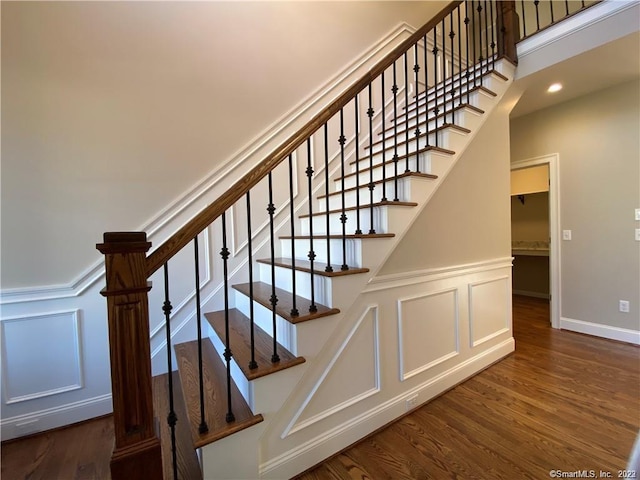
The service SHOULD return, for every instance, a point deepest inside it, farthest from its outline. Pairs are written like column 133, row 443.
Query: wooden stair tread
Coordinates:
column 460, row 80
column 349, row 236
column 422, row 134
column 187, row 458
column 262, row 295
column 481, row 88
column 401, row 128
column 318, row 267
column 429, row 148
column 240, row 344
column 215, row 394
column 388, row 179
column 385, row 203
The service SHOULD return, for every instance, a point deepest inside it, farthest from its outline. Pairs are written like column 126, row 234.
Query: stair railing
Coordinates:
column 448, row 57
column 537, row 15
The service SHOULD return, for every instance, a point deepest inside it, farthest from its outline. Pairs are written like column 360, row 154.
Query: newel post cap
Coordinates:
column 124, row 242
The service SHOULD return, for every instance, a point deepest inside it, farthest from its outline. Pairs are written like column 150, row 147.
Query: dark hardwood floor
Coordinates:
column 563, row 402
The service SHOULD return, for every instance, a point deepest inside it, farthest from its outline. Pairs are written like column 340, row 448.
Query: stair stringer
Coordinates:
column 284, row 451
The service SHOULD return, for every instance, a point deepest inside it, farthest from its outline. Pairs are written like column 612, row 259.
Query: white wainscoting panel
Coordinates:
column 352, row 375
column 427, row 331
column 489, row 309
column 41, row 355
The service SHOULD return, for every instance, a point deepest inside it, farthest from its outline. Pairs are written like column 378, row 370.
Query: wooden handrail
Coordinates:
column 201, row 221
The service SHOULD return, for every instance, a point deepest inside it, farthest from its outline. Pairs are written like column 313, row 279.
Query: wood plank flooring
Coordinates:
column 562, row 401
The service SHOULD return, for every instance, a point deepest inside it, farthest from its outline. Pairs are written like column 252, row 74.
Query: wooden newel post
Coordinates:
column 509, row 28
column 137, row 452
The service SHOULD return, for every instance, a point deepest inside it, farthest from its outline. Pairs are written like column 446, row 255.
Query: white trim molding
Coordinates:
column 605, row 331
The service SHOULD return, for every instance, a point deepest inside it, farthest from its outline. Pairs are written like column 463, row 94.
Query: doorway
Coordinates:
column 535, row 245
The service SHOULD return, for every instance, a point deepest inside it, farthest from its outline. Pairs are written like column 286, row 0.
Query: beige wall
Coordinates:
column 467, row 220
column 596, row 137
column 113, row 110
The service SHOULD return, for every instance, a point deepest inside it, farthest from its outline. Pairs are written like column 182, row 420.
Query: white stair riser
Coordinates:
column 478, row 98
column 335, row 225
column 353, row 250
column 264, row 319
column 402, row 148
column 490, row 81
column 335, row 201
column 284, row 280
column 378, row 158
column 238, row 376
column 459, row 118
column 364, row 177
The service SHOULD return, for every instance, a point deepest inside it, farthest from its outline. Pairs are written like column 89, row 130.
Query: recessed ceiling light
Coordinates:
column 556, row 87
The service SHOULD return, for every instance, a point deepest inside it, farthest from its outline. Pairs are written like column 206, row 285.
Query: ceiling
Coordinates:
column 605, row 66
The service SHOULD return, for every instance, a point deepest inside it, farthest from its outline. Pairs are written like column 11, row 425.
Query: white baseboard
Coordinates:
column 42, row 420
column 599, row 330
column 315, row 450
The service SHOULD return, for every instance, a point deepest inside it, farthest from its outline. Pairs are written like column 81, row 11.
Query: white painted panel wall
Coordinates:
column 41, row 356
column 423, row 322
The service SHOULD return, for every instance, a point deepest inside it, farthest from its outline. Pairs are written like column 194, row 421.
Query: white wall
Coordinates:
column 596, row 138
column 118, row 116
column 113, row 110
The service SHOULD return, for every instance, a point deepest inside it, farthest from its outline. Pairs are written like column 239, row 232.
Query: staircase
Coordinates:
column 406, row 194
column 236, row 401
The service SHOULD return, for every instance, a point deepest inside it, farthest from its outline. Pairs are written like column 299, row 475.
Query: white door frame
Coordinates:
column 552, row 160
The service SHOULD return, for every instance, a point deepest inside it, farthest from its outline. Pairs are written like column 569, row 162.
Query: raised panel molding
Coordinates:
column 352, row 375
column 51, row 364
column 489, row 309
column 427, row 331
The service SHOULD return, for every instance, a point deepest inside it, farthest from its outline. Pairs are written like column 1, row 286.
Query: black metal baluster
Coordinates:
column 452, row 36
column 566, row 6
column 494, row 22
column 172, row 418
column 459, row 54
column 370, row 112
column 394, row 90
column 466, row 26
column 582, row 3
column 524, row 20
column 551, row 10
column 536, row 3
column 406, row 106
column 416, row 132
column 480, row 51
column 444, row 74
column 436, row 110
column 252, row 363
column 274, row 298
column 384, row 144
column 202, row 428
column 294, row 309
column 328, row 268
column 473, row 32
column 224, row 253
column 312, row 254
column 486, row 35
column 426, row 89
column 357, row 126
column 343, row 217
